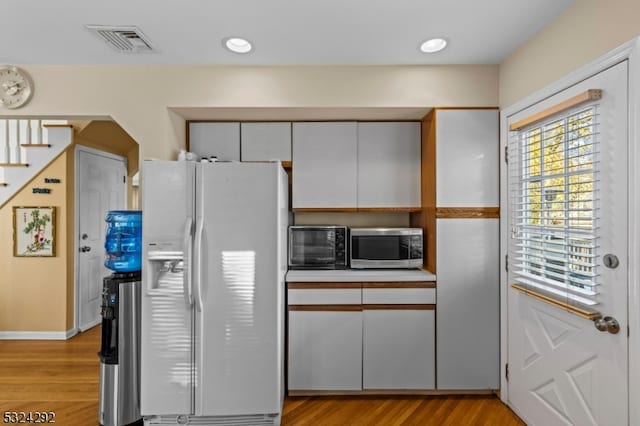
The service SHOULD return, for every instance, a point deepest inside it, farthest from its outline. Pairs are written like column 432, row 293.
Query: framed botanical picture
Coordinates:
column 34, row 231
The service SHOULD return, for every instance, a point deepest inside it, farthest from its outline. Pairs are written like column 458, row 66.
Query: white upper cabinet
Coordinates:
column 266, row 141
column 221, row 140
column 467, row 158
column 325, row 156
column 389, row 164
column 356, row 165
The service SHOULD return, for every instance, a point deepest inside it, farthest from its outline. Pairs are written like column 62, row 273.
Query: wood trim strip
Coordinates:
column 319, row 120
column 286, row 164
column 14, row 165
column 326, row 210
column 389, row 209
column 320, row 285
column 468, row 212
column 187, row 131
column 464, row 108
column 35, row 145
column 399, row 306
column 338, row 308
column 400, row 284
column 357, row 210
column 426, row 219
column 586, row 96
column 58, row 125
column 590, row 314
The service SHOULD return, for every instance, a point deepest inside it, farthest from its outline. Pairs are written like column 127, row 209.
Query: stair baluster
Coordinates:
column 14, row 147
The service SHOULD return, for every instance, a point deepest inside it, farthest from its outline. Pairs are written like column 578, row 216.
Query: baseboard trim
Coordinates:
column 86, row 327
column 38, row 335
column 391, row 392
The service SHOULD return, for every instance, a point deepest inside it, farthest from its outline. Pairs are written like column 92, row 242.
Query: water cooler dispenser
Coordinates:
column 120, row 310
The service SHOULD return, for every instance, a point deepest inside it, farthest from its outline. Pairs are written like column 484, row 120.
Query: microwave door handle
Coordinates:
column 198, row 264
column 187, row 279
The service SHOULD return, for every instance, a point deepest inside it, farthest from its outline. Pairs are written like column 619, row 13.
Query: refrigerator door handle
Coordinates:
column 187, row 281
column 197, row 288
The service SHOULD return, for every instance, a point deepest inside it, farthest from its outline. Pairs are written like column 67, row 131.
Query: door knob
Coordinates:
column 609, row 324
column 85, row 249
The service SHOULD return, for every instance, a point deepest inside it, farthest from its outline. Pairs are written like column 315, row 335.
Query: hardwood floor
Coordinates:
column 57, row 376
column 62, row 377
column 398, row 411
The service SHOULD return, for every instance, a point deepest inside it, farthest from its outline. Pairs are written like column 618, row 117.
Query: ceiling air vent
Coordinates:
column 125, row 39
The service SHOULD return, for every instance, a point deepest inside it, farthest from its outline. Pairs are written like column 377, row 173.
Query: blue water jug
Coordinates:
column 123, row 242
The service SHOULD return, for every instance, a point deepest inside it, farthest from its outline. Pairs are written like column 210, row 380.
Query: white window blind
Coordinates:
column 553, row 196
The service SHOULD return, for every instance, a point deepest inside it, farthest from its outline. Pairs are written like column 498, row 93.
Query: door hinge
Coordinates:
column 506, row 263
column 506, row 154
column 506, row 371
column 124, row 179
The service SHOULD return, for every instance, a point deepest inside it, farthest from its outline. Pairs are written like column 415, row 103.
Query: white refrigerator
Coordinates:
column 214, row 262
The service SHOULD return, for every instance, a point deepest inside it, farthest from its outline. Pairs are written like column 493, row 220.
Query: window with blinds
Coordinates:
column 553, row 191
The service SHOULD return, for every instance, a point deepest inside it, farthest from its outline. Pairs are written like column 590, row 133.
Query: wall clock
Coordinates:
column 16, row 87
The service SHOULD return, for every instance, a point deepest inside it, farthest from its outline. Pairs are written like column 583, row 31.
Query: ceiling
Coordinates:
column 283, row 32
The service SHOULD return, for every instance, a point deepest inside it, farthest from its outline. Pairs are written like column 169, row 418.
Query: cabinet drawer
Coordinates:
column 325, row 296
column 371, row 296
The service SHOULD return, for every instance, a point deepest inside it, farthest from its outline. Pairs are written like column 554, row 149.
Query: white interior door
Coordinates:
column 562, row 370
column 101, row 186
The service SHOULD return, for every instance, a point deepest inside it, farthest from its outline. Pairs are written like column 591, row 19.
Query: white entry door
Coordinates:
column 561, row 369
column 101, row 186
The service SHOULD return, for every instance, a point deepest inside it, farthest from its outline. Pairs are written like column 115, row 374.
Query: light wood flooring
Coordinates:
column 62, row 376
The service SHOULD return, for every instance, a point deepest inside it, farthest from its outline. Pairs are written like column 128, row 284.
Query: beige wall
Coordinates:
column 37, row 294
column 585, row 31
column 138, row 97
column 108, row 136
column 33, row 291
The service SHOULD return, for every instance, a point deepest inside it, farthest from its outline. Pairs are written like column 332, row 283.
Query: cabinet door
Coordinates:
column 398, row 349
column 468, row 343
column 389, row 164
column 325, row 350
column 325, row 165
column 265, row 141
column 215, row 139
column 467, row 158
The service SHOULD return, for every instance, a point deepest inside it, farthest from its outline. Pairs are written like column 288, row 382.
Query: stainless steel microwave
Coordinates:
column 378, row 248
column 318, row 247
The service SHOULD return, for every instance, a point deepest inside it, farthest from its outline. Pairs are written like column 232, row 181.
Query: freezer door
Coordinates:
column 166, row 365
column 239, row 290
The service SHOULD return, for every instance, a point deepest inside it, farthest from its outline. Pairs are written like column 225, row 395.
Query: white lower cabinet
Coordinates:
column 325, row 350
column 398, row 349
column 355, row 336
column 468, row 304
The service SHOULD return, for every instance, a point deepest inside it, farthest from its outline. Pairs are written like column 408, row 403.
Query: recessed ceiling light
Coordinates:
column 237, row 45
column 433, row 45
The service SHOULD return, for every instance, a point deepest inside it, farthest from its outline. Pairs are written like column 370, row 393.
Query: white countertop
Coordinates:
column 354, row 275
